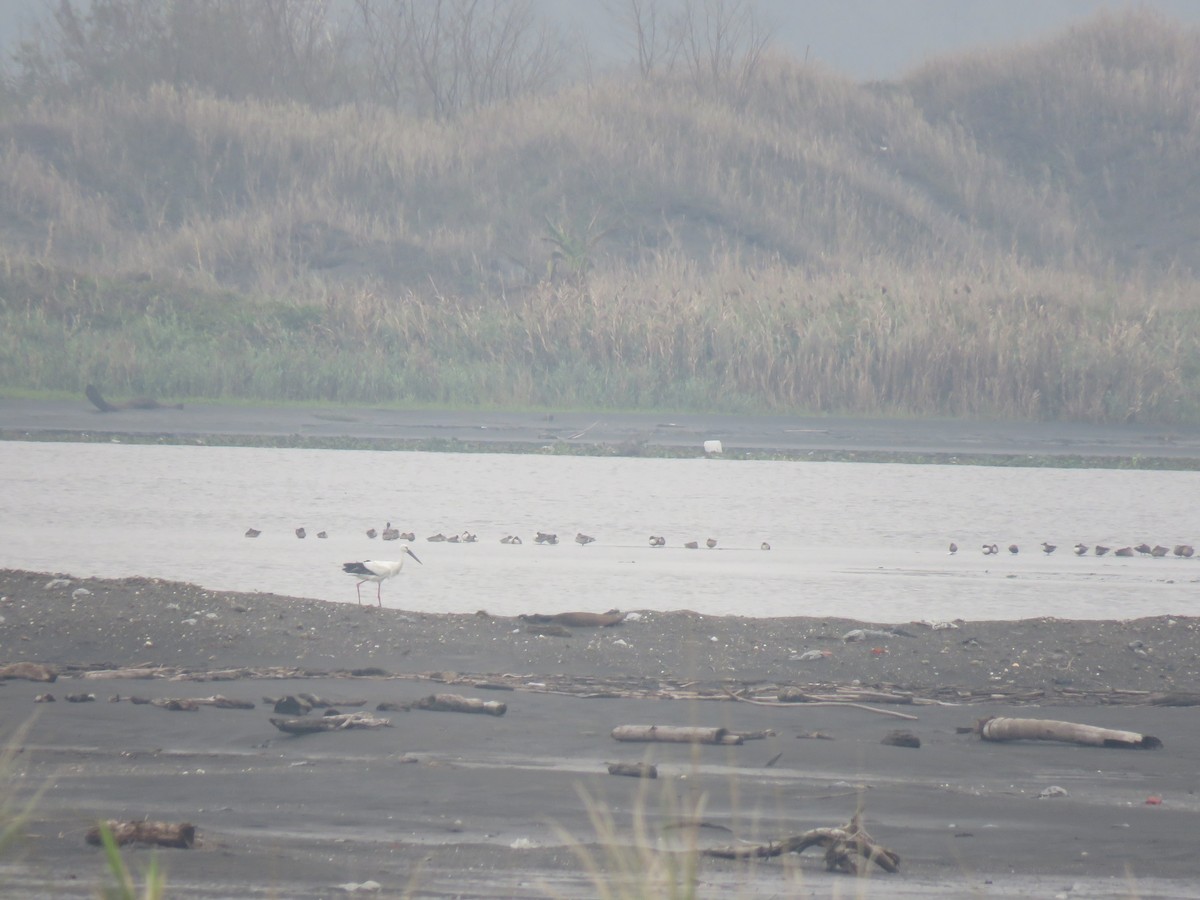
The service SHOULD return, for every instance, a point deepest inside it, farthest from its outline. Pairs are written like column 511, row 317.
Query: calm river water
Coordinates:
column 862, row 540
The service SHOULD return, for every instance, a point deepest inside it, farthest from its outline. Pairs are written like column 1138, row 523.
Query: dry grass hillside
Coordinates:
column 1006, row 235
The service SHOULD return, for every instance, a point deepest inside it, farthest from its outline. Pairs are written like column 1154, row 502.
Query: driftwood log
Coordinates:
column 576, row 619
column 901, row 739
column 634, row 770
column 340, row 722
column 675, row 734
column 1001, row 728
column 458, row 703
column 160, row 834
column 28, row 671
column 848, row 849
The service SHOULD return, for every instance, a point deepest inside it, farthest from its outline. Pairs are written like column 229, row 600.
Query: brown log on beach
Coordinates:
column 28, row 671
column 160, row 834
column 633, row 770
column 577, row 619
column 458, row 703
column 340, row 722
column 1001, row 728
column 848, row 849
column 675, row 734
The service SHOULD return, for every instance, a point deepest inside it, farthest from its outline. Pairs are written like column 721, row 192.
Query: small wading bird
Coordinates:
column 1048, row 548
column 1014, row 549
column 301, row 533
column 376, row 570
column 953, row 548
column 711, row 543
column 583, row 539
column 657, row 541
column 1081, row 549
column 990, row 549
column 1100, row 551
column 252, row 532
column 390, row 533
column 766, row 546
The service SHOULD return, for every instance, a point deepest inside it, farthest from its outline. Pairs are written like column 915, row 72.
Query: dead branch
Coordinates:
column 848, row 849
column 797, row 695
column 895, row 714
column 1001, row 728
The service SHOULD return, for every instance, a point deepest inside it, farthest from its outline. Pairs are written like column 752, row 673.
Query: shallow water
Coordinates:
column 861, row 540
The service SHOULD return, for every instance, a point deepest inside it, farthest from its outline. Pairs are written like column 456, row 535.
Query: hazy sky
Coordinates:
column 881, row 39
column 866, row 39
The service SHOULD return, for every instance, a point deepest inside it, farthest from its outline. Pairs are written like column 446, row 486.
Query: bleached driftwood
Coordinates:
column 848, row 849
column 458, row 703
column 675, row 734
column 130, row 672
column 1001, row 728
column 160, row 834
column 28, row 671
column 340, row 722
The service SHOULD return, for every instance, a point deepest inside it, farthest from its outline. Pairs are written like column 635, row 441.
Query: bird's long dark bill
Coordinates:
column 413, row 555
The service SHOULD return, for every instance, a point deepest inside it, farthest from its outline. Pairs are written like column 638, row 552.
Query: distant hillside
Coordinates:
column 1081, row 152
column 1104, row 119
column 801, row 242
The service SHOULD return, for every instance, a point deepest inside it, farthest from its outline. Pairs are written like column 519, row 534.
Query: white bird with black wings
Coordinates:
column 377, row 570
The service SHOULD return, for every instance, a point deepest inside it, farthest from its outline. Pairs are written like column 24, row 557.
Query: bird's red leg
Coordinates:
column 358, row 587
column 379, row 593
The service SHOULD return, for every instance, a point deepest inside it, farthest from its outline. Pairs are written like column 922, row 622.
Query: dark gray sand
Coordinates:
column 456, row 805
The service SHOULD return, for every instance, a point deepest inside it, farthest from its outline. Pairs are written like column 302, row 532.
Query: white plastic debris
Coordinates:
column 711, row 447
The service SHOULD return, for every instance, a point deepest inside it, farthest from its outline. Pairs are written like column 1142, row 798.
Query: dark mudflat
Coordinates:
column 455, row 805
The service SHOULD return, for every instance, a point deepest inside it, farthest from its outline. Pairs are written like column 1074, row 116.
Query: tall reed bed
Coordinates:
column 1011, row 343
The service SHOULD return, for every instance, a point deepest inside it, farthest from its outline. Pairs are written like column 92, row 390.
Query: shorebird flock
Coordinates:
column 542, row 537
column 1158, row 551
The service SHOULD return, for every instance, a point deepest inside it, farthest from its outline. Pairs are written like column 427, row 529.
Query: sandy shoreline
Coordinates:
column 443, row 804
